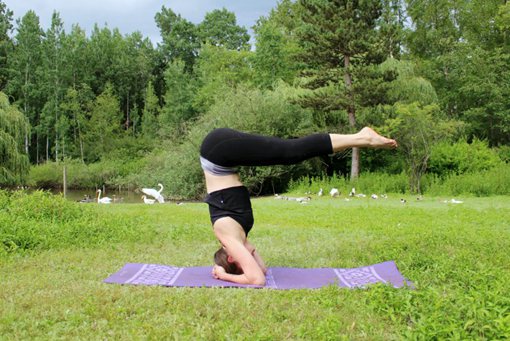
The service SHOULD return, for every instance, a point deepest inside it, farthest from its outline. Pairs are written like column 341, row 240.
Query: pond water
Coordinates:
column 122, row 196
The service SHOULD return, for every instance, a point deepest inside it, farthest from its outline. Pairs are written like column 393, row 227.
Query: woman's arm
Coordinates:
column 252, row 272
column 232, row 237
column 219, row 273
column 256, row 255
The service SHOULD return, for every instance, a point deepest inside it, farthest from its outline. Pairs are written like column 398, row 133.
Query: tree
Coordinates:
column 181, row 88
column 5, row 42
column 417, row 128
column 219, row 28
column 76, row 106
column 24, row 65
column 180, row 39
column 77, row 63
column 219, row 70
column 103, row 52
column 404, row 85
column 103, row 126
column 54, row 87
column 150, row 113
column 482, row 87
column 14, row 126
column 333, row 34
column 277, row 48
column 436, row 29
column 132, row 72
column 391, row 28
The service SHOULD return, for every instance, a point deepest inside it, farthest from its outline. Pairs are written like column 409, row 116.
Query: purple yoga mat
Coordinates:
column 276, row 278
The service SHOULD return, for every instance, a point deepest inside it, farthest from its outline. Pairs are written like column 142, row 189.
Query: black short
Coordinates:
column 233, row 202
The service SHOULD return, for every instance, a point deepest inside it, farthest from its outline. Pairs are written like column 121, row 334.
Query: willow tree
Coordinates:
column 14, row 127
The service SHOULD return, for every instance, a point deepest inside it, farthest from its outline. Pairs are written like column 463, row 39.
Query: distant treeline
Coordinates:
column 429, row 73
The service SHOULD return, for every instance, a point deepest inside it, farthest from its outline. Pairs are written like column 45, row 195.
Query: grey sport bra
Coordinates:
column 215, row 169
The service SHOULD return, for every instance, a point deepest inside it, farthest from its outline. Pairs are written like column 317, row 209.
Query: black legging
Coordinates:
column 230, row 148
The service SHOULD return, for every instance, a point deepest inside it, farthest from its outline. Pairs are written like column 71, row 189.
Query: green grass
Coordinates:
column 457, row 256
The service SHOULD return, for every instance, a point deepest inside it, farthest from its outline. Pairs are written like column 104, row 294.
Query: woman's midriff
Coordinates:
column 218, row 182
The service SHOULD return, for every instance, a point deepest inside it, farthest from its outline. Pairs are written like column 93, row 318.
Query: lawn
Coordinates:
column 456, row 255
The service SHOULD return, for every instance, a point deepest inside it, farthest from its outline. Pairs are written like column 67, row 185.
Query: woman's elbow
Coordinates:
column 260, row 282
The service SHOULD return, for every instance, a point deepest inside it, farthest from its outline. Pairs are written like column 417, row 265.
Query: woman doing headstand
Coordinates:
column 229, row 202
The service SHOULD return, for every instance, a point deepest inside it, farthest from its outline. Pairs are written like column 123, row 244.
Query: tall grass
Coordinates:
column 495, row 181
column 367, row 182
column 42, row 221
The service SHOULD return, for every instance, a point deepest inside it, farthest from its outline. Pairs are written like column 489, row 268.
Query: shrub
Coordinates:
column 250, row 110
column 110, row 172
column 495, row 181
column 462, row 157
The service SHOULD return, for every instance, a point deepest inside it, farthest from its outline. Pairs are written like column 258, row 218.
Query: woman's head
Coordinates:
column 221, row 258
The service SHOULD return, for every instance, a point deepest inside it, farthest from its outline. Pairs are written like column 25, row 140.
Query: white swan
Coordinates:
column 334, row 192
column 352, row 192
column 104, row 200
column 148, row 201
column 154, row 193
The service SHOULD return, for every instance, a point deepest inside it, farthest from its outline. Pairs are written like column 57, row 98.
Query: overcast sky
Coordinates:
column 135, row 15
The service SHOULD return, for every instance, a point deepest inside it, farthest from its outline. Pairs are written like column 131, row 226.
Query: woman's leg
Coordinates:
column 230, row 148
column 366, row 137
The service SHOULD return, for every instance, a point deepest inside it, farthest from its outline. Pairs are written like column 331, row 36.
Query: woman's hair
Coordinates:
column 221, row 259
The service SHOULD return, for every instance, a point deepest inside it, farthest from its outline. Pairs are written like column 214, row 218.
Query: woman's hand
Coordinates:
column 218, row 271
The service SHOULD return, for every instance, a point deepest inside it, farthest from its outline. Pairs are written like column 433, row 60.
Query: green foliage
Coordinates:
column 336, row 38
column 406, row 86
column 150, row 114
column 504, row 153
column 180, row 39
column 366, row 183
column 104, row 125
column 436, row 30
column 112, row 172
column 219, row 28
column 178, row 108
column 14, row 128
column 219, row 71
column 81, row 93
column 42, row 221
column 462, row 157
column 277, row 46
column 481, row 183
column 5, row 42
column 251, row 110
column 484, row 101
column 417, row 128
column 493, row 181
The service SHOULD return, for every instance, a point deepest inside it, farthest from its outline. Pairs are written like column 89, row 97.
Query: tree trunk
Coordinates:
column 127, row 123
column 351, row 112
column 47, row 148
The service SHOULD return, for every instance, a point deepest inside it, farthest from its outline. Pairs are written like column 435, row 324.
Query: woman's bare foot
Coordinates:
column 374, row 140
